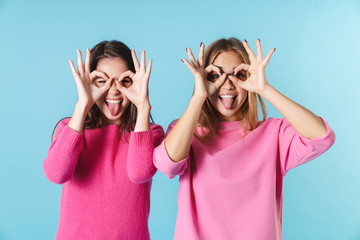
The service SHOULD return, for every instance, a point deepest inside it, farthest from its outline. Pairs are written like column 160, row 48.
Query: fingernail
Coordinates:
column 182, row 60
column 201, row 44
column 274, row 49
column 245, row 40
column 187, row 49
column 259, row 39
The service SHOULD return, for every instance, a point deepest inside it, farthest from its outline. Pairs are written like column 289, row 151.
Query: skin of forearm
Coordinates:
column 78, row 118
column 143, row 118
column 306, row 123
column 178, row 142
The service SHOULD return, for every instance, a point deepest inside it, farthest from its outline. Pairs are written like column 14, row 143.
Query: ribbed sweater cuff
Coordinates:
column 70, row 136
column 141, row 138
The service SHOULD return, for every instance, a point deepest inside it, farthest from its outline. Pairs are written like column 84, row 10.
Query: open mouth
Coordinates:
column 113, row 105
column 227, row 100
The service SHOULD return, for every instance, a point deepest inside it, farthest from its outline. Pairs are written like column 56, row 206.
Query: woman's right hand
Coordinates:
column 207, row 80
column 88, row 92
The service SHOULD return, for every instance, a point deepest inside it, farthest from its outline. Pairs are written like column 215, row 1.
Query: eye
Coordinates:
column 213, row 77
column 126, row 82
column 241, row 75
column 100, row 82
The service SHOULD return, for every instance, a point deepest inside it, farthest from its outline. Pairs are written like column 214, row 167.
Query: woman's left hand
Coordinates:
column 137, row 92
column 256, row 78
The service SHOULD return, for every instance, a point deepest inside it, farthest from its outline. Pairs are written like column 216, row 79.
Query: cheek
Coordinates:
column 214, row 99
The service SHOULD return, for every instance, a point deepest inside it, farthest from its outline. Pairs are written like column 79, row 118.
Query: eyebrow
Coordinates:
column 221, row 70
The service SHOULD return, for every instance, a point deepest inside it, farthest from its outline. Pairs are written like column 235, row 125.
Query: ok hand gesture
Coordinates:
column 256, row 81
column 137, row 89
column 207, row 80
column 88, row 92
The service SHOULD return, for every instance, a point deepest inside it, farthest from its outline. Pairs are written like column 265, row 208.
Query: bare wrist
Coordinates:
column 83, row 107
column 263, row 92
column 145, row 107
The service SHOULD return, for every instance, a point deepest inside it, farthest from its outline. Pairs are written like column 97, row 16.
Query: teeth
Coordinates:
column 227, row 96
column 113, row 101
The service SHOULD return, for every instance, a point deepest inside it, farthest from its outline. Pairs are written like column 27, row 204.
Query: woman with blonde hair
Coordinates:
column 232, row 164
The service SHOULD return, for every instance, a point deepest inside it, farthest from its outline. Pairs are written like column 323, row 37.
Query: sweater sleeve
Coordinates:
column 295, row 149
column 163, row 162
column 63, row 154
column 140, row 167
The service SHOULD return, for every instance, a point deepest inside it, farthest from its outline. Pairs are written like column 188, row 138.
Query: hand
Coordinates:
column 137, row 92
column 256, row 80
column 207, row 80
column 88, row 92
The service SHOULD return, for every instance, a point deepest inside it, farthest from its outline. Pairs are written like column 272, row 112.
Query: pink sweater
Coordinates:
column 106, row 181
column 232, row 188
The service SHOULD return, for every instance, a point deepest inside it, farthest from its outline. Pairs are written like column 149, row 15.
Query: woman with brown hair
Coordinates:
column 103, row 154
column 232, row 164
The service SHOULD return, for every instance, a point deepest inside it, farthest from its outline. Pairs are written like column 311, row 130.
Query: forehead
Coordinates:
column 112, row 67
column 228, row 60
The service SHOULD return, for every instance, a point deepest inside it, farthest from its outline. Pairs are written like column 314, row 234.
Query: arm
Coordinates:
column 145, row 137
column 87, row 91
column 306, row 123
column 138, row 92
column 61, row 160
column 301, row 119
column 140, row 167
column 64, row 151
column 178, row 142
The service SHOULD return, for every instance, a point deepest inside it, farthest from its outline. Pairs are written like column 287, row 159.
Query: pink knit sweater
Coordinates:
column 232, row 188
column 106, row 181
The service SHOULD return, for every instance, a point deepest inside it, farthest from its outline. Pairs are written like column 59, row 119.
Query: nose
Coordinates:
column 113, row 88
column 228, row 84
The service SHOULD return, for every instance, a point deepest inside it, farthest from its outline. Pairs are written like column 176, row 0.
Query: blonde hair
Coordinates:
column 248, row 112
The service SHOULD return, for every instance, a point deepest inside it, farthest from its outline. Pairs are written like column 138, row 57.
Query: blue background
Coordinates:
column 316, row 64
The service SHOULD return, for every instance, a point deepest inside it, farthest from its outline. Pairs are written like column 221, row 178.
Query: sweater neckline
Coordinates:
column 230, row 125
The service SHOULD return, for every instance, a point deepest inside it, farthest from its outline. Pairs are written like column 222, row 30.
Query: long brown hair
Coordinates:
column 248, row 112
column 110, row 49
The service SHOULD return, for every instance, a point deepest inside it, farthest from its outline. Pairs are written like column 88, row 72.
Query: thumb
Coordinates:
column 122, row 89
column 106, row 86
column 237, row 81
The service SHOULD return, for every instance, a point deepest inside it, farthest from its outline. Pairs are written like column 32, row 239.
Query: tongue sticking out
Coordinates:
column 227, row 102
column 114, row 108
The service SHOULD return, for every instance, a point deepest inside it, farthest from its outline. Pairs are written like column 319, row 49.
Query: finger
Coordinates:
column 241, row 67
column 212, row 68
column 142, row 63
column 189, row 65
column 128, row 73
column 148, row 69
column 201, row 59
column 236, row 81
column 135, row 60
column 96, row 74
column 259, row 50
column 122, row 89
column 106, row 86
column 80, row 63
column 191, row 57
column 87, row 61
column 220, row 81
column 74, row 72
column 267, row 58
column 249, row 51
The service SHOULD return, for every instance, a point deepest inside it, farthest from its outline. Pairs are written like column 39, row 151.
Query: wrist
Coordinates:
column 83, row 107
column 265, row 90
column 143, row 108
column 198, row 100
